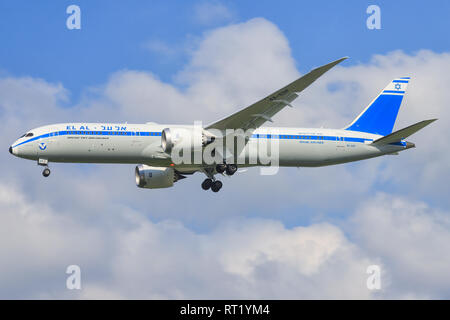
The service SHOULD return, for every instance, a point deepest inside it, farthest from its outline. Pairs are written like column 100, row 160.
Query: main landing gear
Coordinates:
column 211, row 182
column 215, row 186
column 229, row 169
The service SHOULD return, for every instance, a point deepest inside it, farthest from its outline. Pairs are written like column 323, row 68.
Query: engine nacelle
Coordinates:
column 154, row 177
column 184, row 138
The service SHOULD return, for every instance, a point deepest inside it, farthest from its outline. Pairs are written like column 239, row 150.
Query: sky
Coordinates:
column 302, row 233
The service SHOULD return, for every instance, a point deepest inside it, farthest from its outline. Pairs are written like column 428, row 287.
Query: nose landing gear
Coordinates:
column 46, row 172
column 44, row 162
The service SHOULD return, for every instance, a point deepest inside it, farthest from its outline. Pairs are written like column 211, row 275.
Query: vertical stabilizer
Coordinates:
column 380, row 115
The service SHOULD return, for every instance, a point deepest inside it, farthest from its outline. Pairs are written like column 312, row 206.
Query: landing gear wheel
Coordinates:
column 220, row 168
column 207, row 184
column 216, row 186
column 231, row 169
column 46, row 172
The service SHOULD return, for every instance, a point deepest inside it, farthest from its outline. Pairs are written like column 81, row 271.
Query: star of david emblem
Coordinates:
column 398, row 86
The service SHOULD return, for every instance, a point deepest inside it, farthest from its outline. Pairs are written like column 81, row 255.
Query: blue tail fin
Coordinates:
column 379, row 116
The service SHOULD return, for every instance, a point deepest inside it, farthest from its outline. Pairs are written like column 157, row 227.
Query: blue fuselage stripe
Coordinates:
column 92, row 133
column 309, row 137
column 158, row 134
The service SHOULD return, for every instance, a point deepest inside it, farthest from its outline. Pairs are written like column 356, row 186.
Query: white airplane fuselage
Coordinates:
column 141, row 143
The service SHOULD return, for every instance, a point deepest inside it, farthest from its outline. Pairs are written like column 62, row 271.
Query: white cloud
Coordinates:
column 235, row 66
column 139, row 258
column 241, row 259
column 160, row 47
column 37, row 244
column 412, row 239
column 30, row 101
column 245, row 258
column 212, row 13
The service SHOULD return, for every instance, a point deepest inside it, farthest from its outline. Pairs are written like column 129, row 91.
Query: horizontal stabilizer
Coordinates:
column 403, row 133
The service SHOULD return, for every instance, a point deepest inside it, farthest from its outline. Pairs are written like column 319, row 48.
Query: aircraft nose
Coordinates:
column 10, row 150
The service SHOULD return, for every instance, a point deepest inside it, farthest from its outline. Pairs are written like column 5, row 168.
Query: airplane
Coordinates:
column 151, row 145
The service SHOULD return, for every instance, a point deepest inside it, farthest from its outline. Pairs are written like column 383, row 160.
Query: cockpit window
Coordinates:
column 29, row 135
column 22, row 136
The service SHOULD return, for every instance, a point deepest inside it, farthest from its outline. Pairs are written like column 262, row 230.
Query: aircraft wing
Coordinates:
column 258, row 113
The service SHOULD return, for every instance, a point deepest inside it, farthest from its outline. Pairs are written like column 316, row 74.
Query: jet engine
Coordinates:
column 156, row 177
column 184, row 139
